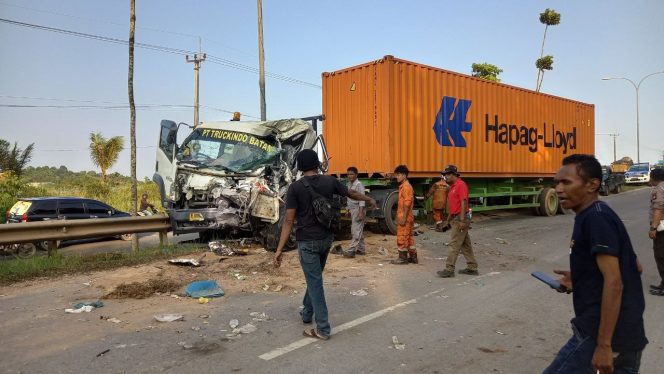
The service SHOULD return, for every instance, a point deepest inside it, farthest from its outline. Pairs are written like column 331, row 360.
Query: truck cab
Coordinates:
column 231, row 178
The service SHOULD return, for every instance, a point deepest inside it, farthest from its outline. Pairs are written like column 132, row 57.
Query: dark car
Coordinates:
column 50, row 208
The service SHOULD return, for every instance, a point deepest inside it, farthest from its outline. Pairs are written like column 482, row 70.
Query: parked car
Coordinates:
column 51, row 208
column 638, row 173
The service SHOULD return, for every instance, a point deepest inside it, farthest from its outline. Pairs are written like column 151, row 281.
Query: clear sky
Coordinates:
column 302, row 39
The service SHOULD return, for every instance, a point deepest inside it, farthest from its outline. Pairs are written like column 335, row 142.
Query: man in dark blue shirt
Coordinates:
column 313, row 239
column 604, row 276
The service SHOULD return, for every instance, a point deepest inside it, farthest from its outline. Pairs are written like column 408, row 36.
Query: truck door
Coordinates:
column 166, row 151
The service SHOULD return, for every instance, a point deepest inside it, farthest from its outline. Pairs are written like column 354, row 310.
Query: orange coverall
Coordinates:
column 405, row 233
column 439, row 192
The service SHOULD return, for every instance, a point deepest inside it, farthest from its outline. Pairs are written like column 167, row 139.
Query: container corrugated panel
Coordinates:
column 391, row 111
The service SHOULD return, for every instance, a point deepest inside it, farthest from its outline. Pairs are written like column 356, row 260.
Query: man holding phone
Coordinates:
column 604, row 278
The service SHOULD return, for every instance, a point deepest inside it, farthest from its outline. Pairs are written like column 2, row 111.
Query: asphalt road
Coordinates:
column 503, row 321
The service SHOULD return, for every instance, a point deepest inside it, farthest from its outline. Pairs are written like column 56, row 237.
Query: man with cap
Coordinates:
column 313, row 239
column 460, row 220
column 439, row 192
column 405, row 219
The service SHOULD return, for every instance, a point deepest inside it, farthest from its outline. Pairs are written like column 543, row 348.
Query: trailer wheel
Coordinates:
column 389, row 224
column 548, row 201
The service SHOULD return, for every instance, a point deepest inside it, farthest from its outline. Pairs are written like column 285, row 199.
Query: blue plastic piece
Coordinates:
column 208, row 288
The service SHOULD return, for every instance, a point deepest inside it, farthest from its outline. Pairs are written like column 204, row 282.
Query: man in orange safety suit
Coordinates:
column 439, row 192
column 405, row 219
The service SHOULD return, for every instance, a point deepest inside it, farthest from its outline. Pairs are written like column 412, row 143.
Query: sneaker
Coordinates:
column 361, row 253
column 349, row 254
column 337, row 250
column 445, row 273
column 469, row 272
column 657, row 287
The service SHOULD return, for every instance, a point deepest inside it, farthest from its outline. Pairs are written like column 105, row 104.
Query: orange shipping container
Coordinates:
column 391, row 111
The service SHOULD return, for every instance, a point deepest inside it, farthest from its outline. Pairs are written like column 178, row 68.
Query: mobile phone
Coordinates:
column 548, row 280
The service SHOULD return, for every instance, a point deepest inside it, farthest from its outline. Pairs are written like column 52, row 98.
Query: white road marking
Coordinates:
column 306, row 341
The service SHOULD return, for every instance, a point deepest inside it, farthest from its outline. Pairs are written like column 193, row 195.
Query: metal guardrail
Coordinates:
column 29, row 232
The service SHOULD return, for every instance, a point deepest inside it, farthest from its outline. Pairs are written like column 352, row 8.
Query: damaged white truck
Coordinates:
column 229, row 179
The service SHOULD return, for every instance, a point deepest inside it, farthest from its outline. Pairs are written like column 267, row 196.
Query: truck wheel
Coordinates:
column 617, row 188
column 548, row 201
column 43, row 245
column 25, row 250
column 389, row 223
column 272, row 233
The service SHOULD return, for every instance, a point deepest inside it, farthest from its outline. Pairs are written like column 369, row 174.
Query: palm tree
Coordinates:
column 104, row 153
column 14, row 159
column 132, row 124
column 549, row 18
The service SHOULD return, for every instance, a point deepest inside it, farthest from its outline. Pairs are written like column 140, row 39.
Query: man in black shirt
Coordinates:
column 313, row 239
column 605, row 277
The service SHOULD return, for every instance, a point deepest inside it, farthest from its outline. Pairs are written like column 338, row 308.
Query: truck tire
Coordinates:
column 617, row 188
column 548, row 201
column 272, row 233
column 388, row 224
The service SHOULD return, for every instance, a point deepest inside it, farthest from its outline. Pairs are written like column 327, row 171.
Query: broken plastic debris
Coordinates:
column 360, row 292
column 86, row 308
column 185, row 345
column 221, row 249
column 278, row 287
column 494, row 350
column 195, row 328
column 113, row 319
column 203, row 300
column 499, row 332
column 501, row 241
column 260, row 317
column 234, row 323
column 169, row 317
column 246, row 329
column 397, row 345
column 266, row 287
column 382, row 251
column 184, row 262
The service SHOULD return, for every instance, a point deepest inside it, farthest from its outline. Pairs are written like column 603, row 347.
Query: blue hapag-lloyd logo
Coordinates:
column 451, row 122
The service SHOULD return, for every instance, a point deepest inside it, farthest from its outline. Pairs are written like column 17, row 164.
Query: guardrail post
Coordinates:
column 52, row 248
column 163, row 238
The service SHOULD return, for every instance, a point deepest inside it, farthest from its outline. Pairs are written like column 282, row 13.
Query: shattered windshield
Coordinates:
column 227, row 150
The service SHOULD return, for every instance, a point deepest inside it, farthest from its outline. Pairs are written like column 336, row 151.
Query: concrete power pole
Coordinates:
column 197, row 59
column 261, row 60
column 614, row 136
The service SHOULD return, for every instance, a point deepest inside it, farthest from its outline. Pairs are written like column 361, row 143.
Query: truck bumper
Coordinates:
column 197, row 220
column 635, row 180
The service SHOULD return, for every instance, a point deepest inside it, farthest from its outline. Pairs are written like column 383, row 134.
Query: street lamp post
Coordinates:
column 636, row 87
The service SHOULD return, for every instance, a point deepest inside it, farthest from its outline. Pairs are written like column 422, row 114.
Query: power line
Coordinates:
column 153, row 47
column 112, row 106
column 83, row 149
column 125, row 25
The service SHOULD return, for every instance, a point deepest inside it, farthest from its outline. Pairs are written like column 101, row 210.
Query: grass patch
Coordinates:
column 631, row 187
column 17, row 270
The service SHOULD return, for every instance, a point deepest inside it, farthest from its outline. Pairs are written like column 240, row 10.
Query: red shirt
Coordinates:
column 458, row 192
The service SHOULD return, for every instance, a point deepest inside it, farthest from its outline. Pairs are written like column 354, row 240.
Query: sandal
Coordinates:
column 313, row 333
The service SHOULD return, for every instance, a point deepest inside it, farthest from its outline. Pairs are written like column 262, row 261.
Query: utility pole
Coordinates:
column 261, row 60
column 614, row 136
column 197, row 59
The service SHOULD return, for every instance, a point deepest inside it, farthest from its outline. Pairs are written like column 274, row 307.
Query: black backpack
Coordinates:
column 326, row 211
